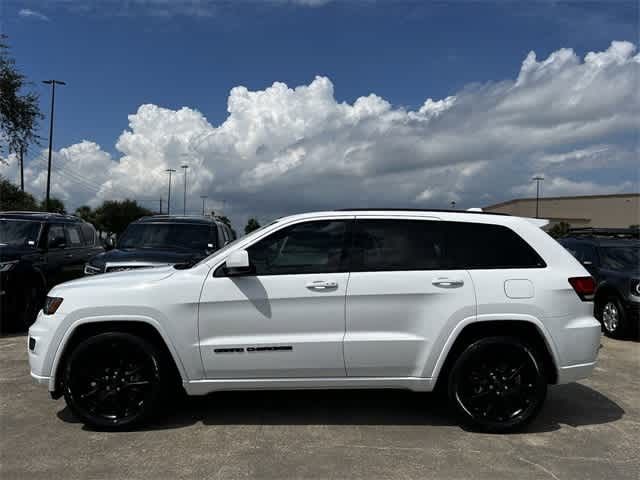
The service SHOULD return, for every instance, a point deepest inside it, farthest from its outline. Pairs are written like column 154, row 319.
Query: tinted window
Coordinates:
column 74, row 237
column 478, row 245
column 19, row 233
column 621, row 258
column 88, row 234
column 312, row 247
column 168, row 235
column 55, row 237
column 380, row 245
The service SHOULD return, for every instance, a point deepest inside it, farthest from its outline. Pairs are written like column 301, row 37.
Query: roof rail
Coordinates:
column 604, row 232
column 45, row 214
column 445, row 210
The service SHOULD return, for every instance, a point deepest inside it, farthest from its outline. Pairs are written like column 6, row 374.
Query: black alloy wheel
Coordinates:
column 497, row 384
column 113, row 380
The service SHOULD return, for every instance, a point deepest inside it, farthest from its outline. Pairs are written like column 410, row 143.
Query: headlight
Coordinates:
column 91, row 270
column 6, row 266
column 635, row 288
column 51, row 305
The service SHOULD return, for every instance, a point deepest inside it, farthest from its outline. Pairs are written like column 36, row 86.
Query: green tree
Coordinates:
column 85, row 212
column 55, row 205
column 252, row 224
column 19, row 111
column 113, row 216
column 12, row 198
column 559, row 229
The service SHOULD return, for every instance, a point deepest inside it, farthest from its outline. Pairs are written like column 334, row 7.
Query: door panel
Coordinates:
column 283, row 328
column 285, row 319
column 395, row 318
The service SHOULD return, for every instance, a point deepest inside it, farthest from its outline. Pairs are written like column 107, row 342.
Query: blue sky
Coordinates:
column 118, row 55
column 116, row 58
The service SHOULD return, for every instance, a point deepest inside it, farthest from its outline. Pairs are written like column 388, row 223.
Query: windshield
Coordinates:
column 19, row 233
column 169, row 235
column 621, row 258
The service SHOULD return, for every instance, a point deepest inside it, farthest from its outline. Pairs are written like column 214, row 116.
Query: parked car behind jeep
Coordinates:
column 161, row 240
column 38, row 251
column 612, row 256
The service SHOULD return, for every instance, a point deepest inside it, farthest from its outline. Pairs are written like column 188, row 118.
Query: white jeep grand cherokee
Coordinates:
column 488, row 307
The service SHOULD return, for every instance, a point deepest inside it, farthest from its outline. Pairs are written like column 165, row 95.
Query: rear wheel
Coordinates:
column 497, row 384
column 613, row 318
column 113, row 380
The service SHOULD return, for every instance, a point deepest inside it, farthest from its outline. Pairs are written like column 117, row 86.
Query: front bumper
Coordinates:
column 42, row 336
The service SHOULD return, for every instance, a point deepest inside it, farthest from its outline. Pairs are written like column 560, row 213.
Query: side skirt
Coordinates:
column 202, row 387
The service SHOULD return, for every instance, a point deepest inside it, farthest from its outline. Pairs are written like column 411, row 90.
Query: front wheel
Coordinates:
column 113, row 380
column 497, row 384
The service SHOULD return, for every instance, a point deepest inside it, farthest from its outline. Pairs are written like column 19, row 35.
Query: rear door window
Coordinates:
column 74, row 237
column 396, row 245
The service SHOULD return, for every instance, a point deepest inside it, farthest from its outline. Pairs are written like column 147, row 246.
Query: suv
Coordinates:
column 162, row 240
column 486, row 307
column 37, row 251
column 612, row 256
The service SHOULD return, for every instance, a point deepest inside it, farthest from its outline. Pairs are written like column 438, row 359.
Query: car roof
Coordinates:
column 604, row 241
column 41, row 216
column 190, row 219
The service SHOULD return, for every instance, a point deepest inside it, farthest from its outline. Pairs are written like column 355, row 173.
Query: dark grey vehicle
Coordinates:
column 37, row 251
column 612, row 256
column 162, row 240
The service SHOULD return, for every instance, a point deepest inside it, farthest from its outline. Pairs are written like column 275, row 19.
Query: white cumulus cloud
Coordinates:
column 285, row 149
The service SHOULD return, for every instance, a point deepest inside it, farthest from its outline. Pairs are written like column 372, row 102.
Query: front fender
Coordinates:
column 149, row 320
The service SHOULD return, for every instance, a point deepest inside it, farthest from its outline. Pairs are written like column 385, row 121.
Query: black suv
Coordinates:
column 162, row 240
column 612, row 256
column 37, row 251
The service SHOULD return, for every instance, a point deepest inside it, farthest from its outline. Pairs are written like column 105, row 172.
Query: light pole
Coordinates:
column 184, row 204
column 538, row 179
column 169, row 171
column 204, row 199
column 53, row 84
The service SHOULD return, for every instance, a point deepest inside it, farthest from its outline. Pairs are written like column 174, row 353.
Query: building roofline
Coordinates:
column 568, row 197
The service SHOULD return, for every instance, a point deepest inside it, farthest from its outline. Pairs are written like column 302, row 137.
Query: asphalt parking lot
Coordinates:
column 587, row 430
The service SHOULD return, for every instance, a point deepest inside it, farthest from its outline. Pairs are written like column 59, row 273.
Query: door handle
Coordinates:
column 447, row 283
column 321, row 285
column 68, row 255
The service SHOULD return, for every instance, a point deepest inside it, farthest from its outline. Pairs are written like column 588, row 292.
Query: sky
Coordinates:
column 282, row 106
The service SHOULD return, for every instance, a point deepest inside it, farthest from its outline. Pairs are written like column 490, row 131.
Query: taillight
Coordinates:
column 585, row 287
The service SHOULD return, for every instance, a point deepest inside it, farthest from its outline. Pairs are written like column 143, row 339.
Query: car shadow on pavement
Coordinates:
column 574, row 404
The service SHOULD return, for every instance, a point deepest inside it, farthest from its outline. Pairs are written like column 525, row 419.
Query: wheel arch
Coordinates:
column 604, row 291
column 531, row 330
column 144, row 327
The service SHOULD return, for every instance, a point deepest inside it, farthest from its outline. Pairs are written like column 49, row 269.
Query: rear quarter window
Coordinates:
column 88, row 234
column 486, row 246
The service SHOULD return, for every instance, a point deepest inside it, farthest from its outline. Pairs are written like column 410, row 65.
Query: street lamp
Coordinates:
column 204, row 199
column 538, row 179
column 53, row 84
column 169, row 171
column 184, row 205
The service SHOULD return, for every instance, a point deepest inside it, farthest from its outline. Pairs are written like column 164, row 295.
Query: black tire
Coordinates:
column 114, row 381
column 613, row 317
column 497, row 384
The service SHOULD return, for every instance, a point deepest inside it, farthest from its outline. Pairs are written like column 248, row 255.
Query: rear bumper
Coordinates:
column 578, row 344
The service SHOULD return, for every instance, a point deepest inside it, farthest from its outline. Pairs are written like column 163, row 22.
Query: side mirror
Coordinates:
column 238, row 263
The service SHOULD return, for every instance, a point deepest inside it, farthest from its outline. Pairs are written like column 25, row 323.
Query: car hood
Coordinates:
column 145, row 255
column 128, row 278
